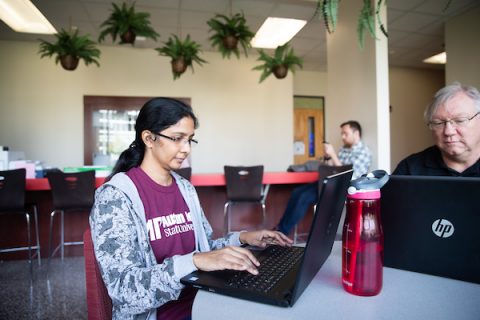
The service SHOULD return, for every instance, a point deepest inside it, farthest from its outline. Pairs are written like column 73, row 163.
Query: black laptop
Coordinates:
column 297, row 266
column 431, row 225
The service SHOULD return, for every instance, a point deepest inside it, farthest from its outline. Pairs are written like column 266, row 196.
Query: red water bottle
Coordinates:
column 362, row 238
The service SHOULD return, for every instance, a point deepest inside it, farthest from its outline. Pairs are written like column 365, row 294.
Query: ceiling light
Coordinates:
column 275, row 32
column 23, row 16
column 440, row 58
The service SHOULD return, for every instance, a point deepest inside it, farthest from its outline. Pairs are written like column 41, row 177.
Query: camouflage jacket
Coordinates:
column 134, row 280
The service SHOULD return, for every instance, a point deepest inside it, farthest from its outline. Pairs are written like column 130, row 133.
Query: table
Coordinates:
column 204, row 180
column 405, row 295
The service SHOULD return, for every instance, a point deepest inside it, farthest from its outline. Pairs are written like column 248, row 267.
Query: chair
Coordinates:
column 99, row 303
column 185, row 172
column 12, row 201
column 71, row 192
column 244, row 184
column 323, row 171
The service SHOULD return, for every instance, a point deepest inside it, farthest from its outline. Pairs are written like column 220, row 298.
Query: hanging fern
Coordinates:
column 233, row 27
column 366, row 21
column 329, row 9
column 283, row 55
column 73, row 44
column 124, row 18
column 379, row 19
column 186, row 50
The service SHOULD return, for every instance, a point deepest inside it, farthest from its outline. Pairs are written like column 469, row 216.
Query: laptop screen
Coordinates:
column 430, row 225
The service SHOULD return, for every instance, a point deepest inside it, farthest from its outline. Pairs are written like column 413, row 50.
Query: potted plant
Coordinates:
column 228, row 32
column 126, row 23
column 366, row 18
column 182, row 52
column 69, row 48
column 283, row 59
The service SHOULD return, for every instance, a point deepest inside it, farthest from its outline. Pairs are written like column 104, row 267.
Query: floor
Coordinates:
column 57, row 294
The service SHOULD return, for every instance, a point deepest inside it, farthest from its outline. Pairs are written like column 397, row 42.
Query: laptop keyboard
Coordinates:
column 277, row 263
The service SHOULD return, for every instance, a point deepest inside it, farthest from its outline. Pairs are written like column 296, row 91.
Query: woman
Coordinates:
column 148, row 227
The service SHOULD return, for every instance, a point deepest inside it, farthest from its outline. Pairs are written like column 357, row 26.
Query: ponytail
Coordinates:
column 129, row 158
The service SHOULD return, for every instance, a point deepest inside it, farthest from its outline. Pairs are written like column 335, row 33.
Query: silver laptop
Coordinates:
column 431, row 225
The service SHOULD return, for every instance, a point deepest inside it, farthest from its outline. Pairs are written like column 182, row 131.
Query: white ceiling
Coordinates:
column 416, row 27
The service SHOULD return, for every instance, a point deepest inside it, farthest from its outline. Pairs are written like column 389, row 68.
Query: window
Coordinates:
column 109, row 126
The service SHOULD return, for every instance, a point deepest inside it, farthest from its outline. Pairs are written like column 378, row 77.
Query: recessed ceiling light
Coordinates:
column 275, row 32
column 440, row 58
column 23, row 16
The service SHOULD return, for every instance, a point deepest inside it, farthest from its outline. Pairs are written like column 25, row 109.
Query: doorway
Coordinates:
column 309, row 128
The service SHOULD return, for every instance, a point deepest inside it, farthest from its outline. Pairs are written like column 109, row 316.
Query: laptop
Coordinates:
column 292, row 283
column 430, row 225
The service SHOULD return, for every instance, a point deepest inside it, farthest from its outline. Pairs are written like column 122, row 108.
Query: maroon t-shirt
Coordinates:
column 170, row 230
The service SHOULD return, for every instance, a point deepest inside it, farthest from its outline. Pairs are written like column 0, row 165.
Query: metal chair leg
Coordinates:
column 52, row 215
column 35, row 216
column 264, row 211
column 62, row 235
column 27, row 217
column 226, row 218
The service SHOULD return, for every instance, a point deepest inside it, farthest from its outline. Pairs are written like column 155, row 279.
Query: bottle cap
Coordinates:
column 363, row 194
column 372, row 181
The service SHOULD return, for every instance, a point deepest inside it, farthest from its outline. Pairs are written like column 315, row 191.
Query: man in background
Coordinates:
column 353, row 152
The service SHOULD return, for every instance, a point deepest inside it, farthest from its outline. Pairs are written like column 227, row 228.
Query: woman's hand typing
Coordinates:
column 263, row 238
column 232, row 258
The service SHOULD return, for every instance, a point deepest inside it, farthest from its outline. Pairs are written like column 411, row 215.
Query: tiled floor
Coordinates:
column 58, row 294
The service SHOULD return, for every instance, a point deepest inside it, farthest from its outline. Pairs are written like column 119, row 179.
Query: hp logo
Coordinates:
column 442, row 228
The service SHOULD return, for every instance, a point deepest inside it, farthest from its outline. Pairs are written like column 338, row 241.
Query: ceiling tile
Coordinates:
column 412, row 22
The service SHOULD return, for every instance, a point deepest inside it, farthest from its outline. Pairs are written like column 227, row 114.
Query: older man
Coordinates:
column 453, row 117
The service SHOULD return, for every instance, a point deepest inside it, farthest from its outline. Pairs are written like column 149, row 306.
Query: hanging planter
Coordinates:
column 228, row 33
column 179, row 65
column 366, row 19
column 127, row 24
column 128, row 37
column 69, row 62
column 69, row 48
column 230, row 42
column 282, row 61
column 280, row 71
column 182, row 52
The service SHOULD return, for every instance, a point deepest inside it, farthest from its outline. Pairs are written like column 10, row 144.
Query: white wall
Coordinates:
column 410, row 92
column 307, row 83
column 358, row 85
column 462, row 42
column 242, row 122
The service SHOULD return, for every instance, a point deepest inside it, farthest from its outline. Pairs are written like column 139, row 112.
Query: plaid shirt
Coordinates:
column 359, row 155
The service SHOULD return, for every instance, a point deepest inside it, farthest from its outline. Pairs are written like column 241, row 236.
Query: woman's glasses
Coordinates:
column 180, row 141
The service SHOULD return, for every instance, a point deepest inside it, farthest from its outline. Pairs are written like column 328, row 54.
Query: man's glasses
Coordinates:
column 179, row 140
column 438, row 125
